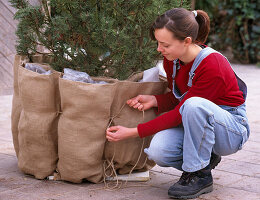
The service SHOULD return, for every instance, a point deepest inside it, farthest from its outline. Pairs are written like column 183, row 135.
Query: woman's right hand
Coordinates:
column 142, row 102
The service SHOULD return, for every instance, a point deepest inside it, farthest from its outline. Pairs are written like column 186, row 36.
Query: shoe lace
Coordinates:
column 191, row 176
column 186, row 177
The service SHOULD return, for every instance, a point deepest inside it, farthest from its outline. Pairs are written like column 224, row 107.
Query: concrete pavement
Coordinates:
column 236, row 177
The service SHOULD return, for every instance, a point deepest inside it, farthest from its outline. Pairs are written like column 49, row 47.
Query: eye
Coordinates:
column 163, row 45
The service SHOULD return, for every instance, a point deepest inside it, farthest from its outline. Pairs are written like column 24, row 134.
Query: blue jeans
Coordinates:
column 206, row 127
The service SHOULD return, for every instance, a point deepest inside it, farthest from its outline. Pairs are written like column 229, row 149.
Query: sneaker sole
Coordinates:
column 203, row 191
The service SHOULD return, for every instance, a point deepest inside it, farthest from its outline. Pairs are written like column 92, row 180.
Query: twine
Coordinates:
column 118, row 184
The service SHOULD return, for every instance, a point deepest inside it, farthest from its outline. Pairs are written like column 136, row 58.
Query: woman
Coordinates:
column 205, row 115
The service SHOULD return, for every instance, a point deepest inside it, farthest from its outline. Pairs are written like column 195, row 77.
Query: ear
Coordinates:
column 187, row 41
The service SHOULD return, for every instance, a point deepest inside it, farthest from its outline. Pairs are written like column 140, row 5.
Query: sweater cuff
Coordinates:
column 143, row 131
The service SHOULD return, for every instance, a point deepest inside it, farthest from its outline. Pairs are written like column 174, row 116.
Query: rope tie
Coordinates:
column 58, row 113
column 110, row 164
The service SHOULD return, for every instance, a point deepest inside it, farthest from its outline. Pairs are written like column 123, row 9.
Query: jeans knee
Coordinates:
column 155, row 155
column 162, row 156
column 191, row 105
column 197, row 108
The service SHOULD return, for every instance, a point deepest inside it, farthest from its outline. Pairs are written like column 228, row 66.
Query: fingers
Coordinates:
column 110, row 136
column 111, row 133
column 141, row 107
column 137, row 105
column 111, row 139
column 133, row 101
column 113, row 128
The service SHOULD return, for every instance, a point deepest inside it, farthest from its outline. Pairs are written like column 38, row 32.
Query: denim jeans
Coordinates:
column 206, row 127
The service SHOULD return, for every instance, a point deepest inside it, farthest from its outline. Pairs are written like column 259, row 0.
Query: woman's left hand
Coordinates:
column 117, row 133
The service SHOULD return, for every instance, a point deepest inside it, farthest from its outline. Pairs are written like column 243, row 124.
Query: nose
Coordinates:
column 159, row 48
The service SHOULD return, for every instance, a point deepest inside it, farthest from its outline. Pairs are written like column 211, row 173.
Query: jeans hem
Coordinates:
column 195, row 168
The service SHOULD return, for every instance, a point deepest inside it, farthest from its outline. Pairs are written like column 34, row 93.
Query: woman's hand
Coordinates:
column 117, row 133
column 142, row 102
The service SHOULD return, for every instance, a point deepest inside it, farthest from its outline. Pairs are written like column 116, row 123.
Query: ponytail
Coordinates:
column 204, row 26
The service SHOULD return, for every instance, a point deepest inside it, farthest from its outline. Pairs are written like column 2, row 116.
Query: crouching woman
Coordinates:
column 204, row 113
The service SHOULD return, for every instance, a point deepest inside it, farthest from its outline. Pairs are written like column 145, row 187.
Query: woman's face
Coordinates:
column 168, row 46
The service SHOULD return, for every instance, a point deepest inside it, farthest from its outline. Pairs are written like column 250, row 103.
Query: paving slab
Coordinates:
column 236, row 177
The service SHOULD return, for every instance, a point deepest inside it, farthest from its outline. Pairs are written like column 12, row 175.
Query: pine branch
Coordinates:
column 19, row 4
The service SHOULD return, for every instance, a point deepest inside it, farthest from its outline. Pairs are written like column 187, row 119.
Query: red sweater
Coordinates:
column 214, row 80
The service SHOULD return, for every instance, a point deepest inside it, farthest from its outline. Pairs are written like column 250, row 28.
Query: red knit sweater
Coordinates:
column 214, row 80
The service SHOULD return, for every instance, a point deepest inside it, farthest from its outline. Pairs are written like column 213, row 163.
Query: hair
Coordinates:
column 183, row 23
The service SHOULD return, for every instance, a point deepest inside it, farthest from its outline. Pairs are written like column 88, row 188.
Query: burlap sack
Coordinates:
column 125, row 154
column 81, row 130
column 16, row 102
column 39, row 96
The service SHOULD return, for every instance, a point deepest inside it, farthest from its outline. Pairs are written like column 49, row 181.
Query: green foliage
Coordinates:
column 100, row 37
column 235, row 23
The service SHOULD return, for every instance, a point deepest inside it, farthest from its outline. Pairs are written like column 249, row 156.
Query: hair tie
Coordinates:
column 195, row 13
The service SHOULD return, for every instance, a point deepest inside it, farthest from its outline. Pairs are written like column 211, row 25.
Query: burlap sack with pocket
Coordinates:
column 128, row 155
column 81, row 130
column 37, row 138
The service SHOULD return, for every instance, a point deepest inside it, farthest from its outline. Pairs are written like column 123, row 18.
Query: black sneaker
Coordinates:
column 192, row 185
column 214, row 160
